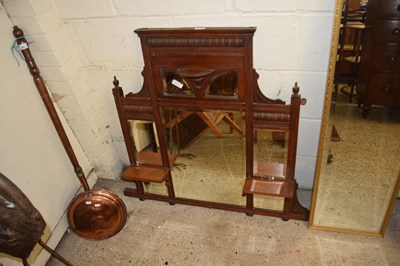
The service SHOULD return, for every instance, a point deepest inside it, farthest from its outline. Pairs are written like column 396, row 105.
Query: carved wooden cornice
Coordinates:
column 195, row 42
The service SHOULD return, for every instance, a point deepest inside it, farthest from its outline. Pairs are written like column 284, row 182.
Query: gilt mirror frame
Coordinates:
column 323, row 131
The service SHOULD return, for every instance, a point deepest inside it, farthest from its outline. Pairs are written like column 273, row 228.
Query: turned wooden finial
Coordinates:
column 117, row 90
column 296, row 88
column 25, row 51
column 115, row 81
column 17, row 32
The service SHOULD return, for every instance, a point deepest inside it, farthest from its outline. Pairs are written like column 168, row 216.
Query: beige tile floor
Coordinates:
column 157, row 233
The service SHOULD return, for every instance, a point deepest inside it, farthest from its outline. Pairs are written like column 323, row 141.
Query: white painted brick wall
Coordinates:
column 47, row 41
column 66, row 88
column 143, row 8
column 70, row 106
column 278, row 84
column 112, row 42
column 39, row 24
column 305, row 167
column 62, row 70
column 291, row 44
column 25, row 8
column 267, row 6
column 61, row 73
column 57, row 57
column 313, row 45
column 283, row 5
column 83, row 9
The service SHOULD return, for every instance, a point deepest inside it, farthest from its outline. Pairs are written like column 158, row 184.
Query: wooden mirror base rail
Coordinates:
column 279, row 187
column 298, row 212
column 149, row 169
column 198, row 78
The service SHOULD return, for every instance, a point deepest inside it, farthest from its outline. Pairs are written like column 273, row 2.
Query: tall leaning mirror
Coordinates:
column 357, row 173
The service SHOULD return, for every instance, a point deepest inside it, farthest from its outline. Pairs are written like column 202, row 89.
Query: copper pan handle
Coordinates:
column 44, row 94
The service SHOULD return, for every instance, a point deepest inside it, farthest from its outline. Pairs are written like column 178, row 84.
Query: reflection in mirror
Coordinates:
column 357, row 175
column 174, row 84
column 270, row 157
column 145, row 141
column 146, row 150
column 225, row 84
column 359, row 168
column 184, row 82
column 211, row 154
column 270, row 153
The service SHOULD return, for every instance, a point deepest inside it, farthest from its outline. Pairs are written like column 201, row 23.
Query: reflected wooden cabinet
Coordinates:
column 201, row 93
column 379, row 77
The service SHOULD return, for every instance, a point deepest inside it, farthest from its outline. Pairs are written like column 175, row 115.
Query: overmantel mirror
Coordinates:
column 200, row 131
column 357, row 175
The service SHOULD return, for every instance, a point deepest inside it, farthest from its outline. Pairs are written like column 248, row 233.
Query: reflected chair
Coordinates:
column 354, row 59
column 349, row 50
column 211, row 119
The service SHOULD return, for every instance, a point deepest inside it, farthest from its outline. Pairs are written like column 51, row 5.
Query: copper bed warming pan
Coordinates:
column 94, row 214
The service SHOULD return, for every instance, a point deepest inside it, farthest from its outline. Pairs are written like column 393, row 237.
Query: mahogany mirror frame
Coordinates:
column 179, row 49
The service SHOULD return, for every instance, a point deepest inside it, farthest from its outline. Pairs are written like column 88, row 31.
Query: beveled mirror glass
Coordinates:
column 270, row 157
column 175, row 84
column 357, row 173
column 208, row 144
column 223, row 84
column 146, row 150
column 209, row 156
column 145, row 142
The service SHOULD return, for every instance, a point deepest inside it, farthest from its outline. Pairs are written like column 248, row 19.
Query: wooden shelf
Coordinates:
column 352, row 59
column 269, row 169
column 355, row 25
column 350, row 47
column 153, row 158
column 145, row 173
column 269, row 187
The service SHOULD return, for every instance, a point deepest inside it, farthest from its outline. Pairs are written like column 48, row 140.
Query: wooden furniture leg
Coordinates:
column 54, row 254
column 230, row 115
column 150, row 132
column 139, row 189
column 211, row 124
column 177, row 119
column 221, row 116
column 232, row 124
column 249, row 203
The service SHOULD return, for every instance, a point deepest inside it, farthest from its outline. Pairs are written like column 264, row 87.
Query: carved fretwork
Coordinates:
column 196, row 76
column 200, row 81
